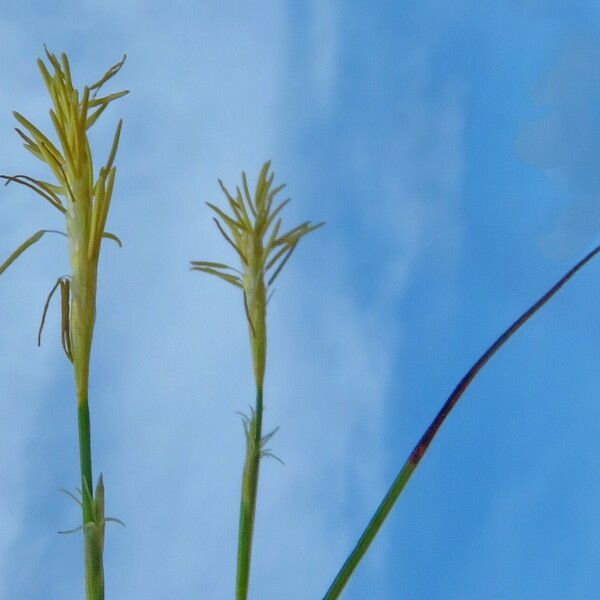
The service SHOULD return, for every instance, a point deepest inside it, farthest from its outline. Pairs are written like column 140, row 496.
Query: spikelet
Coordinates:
column 84, row 199
column 253, row 229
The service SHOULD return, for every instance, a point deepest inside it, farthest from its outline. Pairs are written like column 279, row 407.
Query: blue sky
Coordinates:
column 452, row 149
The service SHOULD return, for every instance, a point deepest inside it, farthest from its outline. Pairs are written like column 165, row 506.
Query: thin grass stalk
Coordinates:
column 263, row 252
column 255, row 305
column 415, row 457
column 250, row 478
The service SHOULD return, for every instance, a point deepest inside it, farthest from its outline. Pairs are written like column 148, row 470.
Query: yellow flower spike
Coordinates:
column 85, row 200
column 254, row 233
column 260, row 249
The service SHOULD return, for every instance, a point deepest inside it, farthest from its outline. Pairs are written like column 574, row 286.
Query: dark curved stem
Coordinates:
column 423, row 444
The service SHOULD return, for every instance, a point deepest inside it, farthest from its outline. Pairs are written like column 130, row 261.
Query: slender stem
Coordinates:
column 423, row 444
column 94, row 568
column 259, row 416
column 248, row 501
column 82, row 319
column 85, row 457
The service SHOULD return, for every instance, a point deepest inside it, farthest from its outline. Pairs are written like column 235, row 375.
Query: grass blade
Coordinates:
column 424, row 442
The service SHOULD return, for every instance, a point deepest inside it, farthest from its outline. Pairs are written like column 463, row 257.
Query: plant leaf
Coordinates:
column 113, row 237
column 26, row 244
column 281, row 265
column 45, row 311
column 43, row 189
column 107, row 99
column 225, row 276
column 108, row 75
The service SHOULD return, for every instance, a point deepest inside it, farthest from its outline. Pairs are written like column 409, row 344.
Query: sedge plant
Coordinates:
column 83, row 198
column 254, row 225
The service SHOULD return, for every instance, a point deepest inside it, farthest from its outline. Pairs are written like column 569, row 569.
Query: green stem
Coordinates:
column 81, row 328
column 93, row 529
column 248, row 501
column 85, row 458
column 423, row 444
